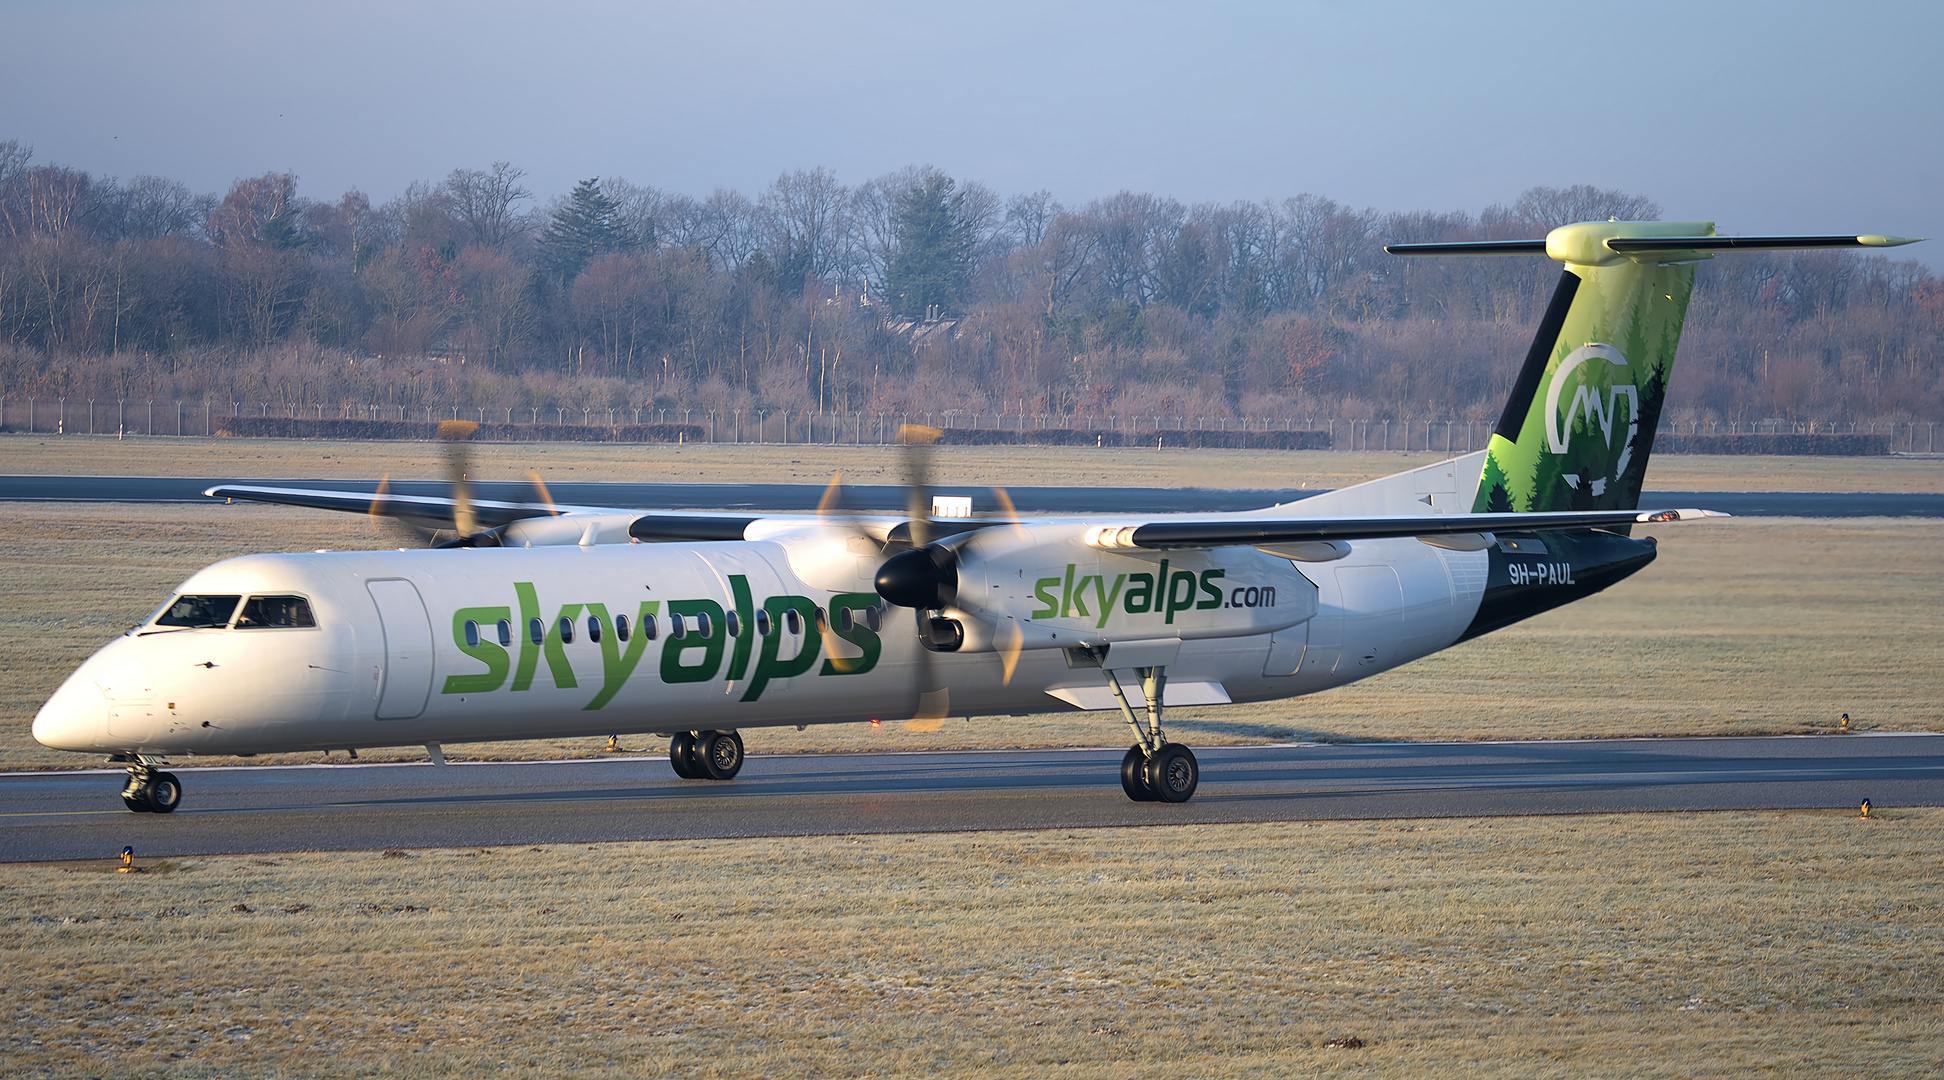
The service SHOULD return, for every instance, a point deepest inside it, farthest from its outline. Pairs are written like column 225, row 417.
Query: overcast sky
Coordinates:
column 1765, row 117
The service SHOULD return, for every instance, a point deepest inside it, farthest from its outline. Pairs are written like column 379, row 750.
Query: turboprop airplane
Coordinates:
column 544, row 621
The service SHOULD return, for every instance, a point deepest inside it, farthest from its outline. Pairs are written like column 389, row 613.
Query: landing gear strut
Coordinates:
column 706, row 755
column 150, row 790
column 1153, row 769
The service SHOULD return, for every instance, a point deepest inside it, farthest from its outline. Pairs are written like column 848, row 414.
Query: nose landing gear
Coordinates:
column 150, row 790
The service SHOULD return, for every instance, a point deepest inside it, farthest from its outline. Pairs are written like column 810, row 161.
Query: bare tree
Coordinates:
column 149, row 207
column 806, row 214
column 484, row 201
column 1549, row 208
column 647, row 211
column 1027, row 217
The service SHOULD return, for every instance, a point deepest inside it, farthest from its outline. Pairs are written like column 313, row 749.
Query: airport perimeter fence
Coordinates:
column 67, row 416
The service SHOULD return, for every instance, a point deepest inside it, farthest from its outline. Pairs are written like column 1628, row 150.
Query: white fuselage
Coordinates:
column 392, row 659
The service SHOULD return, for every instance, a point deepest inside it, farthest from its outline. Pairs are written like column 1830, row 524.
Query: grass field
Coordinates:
column 1722, row 945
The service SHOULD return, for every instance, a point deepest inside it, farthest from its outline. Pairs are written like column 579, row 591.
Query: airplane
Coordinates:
column 544, row 621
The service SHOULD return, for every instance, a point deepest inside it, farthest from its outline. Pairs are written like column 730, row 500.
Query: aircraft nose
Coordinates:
column 75, row 718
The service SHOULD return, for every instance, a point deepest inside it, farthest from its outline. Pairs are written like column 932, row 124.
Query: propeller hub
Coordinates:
column 924, row 577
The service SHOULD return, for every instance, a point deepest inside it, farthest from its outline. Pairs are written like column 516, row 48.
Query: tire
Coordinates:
column 1173, row 774
column 163, row 792
column 135, row 797
column 720, row 754
column 1134, row 775
column 682, row 756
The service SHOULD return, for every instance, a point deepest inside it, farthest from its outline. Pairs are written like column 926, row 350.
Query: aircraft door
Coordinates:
column 407, row 681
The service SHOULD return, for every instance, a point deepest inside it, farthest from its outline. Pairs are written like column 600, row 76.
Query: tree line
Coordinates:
column 912, row 292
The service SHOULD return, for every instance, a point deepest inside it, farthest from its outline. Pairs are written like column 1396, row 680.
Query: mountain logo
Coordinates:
column 1587, row 402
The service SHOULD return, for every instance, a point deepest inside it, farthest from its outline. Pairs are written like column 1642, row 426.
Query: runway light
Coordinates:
column 876, row 722
column 1866, row 808
column 1845, row 725
column 128, row 862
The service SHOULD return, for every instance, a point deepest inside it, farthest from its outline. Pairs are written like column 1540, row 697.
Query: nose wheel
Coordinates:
column 151, row 790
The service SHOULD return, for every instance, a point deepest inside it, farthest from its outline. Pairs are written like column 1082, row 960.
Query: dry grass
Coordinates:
column 1003, row 465
column 1648, row 946
column 1741, row 627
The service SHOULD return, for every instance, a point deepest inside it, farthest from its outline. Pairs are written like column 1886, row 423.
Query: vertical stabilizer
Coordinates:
column 1580, row 424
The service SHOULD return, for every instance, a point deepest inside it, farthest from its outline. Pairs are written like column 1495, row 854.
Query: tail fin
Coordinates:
column 1580, row 424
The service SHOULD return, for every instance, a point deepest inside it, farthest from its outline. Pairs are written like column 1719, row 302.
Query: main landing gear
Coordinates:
column 150, row 790
column 1153, row 769
column 706, row 755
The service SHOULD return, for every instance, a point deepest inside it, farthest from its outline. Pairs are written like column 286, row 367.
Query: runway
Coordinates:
column 331, row 807
column 889, row 498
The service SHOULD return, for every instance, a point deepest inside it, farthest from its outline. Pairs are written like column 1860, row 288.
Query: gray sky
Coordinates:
column 1765, row 117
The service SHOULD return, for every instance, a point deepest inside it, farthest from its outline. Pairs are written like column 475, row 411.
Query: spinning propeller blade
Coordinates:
column 455, row 434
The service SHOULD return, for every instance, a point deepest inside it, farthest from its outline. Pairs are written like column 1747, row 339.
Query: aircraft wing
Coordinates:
column 1177, row 535
column 439, row 512
column 427, row 509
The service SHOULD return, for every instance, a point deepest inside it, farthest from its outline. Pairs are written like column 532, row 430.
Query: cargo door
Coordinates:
column 407, row 681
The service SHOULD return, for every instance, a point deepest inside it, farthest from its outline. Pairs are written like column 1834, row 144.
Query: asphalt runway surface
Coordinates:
column 887, row 498
column 336, row 807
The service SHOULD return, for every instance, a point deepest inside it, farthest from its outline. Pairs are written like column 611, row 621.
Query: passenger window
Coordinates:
column 734, row 622
column 677, row 627
column 648, row 626
column 702, row 626
column 621, row 627
column 763, row 624
column 536, row 630
column 593, row 629
column 793, row 621
column 566, row 631
column 505, row 632
column 472, row 634
column 844, row 618
column 198, row 611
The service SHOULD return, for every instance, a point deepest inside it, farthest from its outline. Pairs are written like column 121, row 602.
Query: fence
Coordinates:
column 91, row 416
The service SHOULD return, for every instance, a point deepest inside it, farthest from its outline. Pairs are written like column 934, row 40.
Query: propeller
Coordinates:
column 395, row 532
column 456, row 434
column 1012, row 639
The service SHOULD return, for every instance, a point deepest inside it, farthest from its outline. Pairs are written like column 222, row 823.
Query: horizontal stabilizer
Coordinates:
column 1471, row 247
column 1627, row 245
column 1646, row 245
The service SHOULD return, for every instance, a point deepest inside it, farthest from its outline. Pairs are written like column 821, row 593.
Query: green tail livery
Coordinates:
column 1580, row 423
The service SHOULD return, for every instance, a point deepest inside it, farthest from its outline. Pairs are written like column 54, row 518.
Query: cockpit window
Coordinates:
column 198, row 611
column 268, row 611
